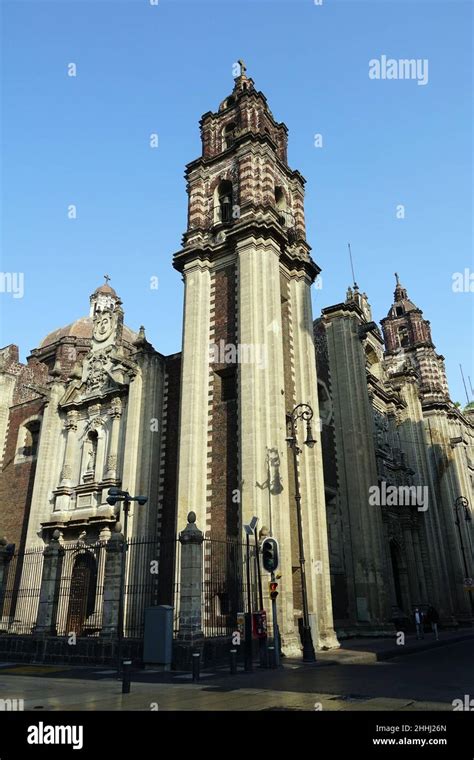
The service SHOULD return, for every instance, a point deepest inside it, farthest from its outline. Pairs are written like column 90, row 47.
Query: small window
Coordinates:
column 399, row 311
column 280, row 198
column 228, row 384
column 229, row 136
column 223, row 209
column 32, row 432
column 403, row 338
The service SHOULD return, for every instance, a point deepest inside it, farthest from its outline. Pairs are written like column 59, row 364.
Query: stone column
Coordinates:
column 192, row 478
column 112, row 582
column 420, row 564
column 413, row 578
column 310, row 463
column 50, row 583
column 71, row 427
column 112, row 457
column 262, row 412
column 190, row 592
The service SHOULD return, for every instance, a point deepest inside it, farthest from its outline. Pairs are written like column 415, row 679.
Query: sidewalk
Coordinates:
column 351, row 652
column 373, row 650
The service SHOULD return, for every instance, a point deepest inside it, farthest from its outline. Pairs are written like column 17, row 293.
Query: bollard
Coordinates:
column 196, row 666
column 126, row 676
column 271, row 656
column 233, row 662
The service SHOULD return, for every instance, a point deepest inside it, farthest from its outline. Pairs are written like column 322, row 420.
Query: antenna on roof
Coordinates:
column 352, row 266
column 464, row 383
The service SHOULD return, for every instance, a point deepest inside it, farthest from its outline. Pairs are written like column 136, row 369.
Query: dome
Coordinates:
column 106, row 289
column 82, row 328
column 469, row 407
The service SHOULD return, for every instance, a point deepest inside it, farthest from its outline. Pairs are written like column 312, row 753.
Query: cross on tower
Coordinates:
column 107, row 278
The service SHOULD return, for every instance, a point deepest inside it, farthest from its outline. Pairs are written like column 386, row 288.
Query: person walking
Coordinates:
column 419, row 623
column 433, row 618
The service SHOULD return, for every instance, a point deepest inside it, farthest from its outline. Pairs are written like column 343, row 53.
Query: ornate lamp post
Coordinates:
column 462, row 502
column 305, row 413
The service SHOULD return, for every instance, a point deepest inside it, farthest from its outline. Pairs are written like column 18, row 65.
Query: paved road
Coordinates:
column 425, row 680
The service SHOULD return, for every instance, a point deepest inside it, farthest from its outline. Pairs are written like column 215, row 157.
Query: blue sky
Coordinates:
column 141, row 69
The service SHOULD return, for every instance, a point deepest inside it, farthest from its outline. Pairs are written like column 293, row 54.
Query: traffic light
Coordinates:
column 270, row 555
column 273, row 586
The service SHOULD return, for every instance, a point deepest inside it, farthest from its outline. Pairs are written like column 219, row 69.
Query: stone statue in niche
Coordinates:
column 91, row 453
column 90, row 459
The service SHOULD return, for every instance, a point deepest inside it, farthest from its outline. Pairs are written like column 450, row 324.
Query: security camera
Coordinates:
column 112, row 500
column 142, row 500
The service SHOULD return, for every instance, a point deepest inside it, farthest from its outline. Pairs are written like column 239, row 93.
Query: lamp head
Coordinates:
column 310, row 441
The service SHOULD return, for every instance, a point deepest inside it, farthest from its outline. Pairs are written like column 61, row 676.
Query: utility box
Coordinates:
column 158, row 635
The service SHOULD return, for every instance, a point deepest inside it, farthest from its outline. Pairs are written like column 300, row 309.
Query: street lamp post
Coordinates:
column 249, row 531
column 305, row 413
column 462, row 502
column 115, row 495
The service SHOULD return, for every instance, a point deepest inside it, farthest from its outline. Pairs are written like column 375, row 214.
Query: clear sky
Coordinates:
column 145, row 69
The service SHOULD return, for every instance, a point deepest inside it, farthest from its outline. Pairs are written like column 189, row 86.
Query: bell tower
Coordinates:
column 408, row 342
column 248, row 353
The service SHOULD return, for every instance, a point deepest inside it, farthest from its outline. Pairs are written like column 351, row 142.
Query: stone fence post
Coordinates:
column 190, row 589
column 112, row 582
column 50, row 583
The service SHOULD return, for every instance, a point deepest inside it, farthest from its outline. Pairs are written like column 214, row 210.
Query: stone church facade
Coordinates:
column 205, row 430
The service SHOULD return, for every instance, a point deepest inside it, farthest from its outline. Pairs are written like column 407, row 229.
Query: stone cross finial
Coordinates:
column 396, row 277
column 243, row 67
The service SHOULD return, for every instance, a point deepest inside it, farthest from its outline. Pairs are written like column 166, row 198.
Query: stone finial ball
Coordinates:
column 192, row 517
column 56, row 534
column 118, row 527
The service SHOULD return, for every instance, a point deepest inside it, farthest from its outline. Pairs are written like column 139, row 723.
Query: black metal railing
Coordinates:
column 223, row 586
column 19, row 601
column 150, row 580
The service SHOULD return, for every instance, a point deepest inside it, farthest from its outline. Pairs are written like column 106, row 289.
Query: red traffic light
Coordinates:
column 273, row 588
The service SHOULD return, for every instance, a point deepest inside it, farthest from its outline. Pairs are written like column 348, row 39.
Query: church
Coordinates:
column 218, row 430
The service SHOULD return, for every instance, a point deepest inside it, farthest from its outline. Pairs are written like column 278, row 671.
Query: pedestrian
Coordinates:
column 433, row 618
column 419, row 623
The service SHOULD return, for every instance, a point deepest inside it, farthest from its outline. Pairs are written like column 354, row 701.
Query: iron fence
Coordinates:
column 149, row 581
column 19, row 602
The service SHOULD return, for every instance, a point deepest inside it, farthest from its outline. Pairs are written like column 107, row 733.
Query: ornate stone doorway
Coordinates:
column 82, row 592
